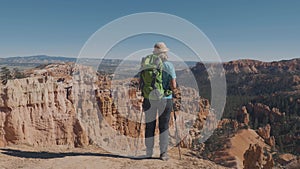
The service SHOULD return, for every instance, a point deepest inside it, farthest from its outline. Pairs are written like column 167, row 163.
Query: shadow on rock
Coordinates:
column 49, row 155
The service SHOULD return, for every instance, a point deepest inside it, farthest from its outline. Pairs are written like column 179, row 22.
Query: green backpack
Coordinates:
column 151, row 77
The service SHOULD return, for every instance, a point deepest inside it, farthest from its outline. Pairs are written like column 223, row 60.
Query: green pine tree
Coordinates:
column 17, row 74
column 5, row 75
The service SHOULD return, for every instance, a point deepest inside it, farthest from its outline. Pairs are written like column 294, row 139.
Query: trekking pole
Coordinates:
column 177, row 134
column 139, row 132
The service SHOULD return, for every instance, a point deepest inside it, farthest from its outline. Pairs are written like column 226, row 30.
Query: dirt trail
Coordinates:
column 91, row 157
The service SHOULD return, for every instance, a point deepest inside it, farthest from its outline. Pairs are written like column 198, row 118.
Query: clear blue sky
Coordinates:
column 264, row 30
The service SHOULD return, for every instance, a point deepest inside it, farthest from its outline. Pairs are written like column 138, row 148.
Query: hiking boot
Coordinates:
column 164, row 156
column 149, row 153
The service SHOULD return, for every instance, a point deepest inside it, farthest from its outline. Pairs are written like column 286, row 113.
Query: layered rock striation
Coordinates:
column 36, row 111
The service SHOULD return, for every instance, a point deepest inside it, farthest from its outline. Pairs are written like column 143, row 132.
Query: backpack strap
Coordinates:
column 154, row 75
column 154, row 59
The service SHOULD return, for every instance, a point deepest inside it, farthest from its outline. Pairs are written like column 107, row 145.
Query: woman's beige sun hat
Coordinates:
column 160, row 47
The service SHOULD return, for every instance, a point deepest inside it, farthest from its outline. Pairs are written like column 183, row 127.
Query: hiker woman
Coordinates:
column 157, row 92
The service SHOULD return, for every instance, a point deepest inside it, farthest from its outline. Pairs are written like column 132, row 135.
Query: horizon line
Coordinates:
column 72, row 57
